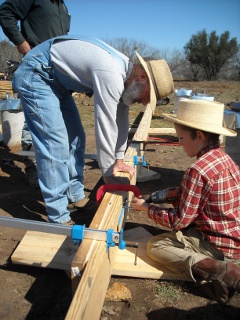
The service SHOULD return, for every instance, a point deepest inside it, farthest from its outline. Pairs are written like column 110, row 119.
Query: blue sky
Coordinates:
column 163, row 24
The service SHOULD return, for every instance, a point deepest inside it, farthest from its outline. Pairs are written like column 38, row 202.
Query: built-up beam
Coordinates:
column 92, row 265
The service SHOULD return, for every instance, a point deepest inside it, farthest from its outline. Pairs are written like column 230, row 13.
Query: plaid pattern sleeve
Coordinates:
column 210, row 201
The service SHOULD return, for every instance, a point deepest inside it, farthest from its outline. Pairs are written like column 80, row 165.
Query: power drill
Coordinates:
column 170, row 195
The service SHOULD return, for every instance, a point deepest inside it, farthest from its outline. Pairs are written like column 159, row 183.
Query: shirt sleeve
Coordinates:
column 11, row 12
column 195, row 192
column 111, row 118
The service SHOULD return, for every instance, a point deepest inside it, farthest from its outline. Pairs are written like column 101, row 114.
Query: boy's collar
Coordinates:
column 206, row 149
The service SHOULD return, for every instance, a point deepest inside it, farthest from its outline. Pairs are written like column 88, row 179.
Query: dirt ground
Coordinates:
column 41, row 293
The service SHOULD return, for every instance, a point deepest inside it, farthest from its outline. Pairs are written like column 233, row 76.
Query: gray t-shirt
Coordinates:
column 81, row 64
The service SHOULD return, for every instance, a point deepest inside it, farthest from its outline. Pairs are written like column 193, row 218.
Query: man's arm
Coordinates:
column 111, row 123
column 11, row 12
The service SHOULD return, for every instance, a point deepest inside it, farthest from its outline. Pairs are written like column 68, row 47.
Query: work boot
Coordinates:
column 223, row 279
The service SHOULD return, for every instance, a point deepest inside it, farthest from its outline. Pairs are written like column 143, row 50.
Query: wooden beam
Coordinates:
column 90, row 293
column 152, row 131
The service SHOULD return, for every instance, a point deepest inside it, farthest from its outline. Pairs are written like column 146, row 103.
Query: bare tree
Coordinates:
column 175, row 58
column 129, row 46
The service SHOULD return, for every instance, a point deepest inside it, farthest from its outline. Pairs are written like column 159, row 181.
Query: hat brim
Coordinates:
column 222, row 130
column 153, row 99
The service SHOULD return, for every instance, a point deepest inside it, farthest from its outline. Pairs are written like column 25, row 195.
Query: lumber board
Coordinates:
column 46, row 250
column 152, row 131
column 5, row 87
column 124, row 265
column 41, row 249
column 97, row 263
column 142, row 131
column 91, row 253
column 89, row 297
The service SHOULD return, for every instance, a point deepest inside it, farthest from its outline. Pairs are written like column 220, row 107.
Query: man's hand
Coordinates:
column 24, row 47
column 139, row 204
column 120, row 166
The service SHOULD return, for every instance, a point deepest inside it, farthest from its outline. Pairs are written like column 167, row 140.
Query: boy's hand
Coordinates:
column 139, row 204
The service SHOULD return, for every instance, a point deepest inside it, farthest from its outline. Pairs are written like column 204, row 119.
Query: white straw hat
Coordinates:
column 201, row 114
column 160, row 78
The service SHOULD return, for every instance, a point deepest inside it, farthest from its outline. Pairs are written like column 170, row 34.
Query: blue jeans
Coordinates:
column 58, row 138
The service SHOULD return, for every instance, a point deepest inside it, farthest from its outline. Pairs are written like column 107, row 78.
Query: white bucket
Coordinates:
column 176, row 102
column 12, row 124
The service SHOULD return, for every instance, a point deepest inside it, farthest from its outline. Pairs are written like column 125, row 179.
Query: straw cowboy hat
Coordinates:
column 160, row 78
column 201, row 114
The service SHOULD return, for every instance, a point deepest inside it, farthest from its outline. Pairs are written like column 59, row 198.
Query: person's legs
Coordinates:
column 177, row 252
column 188, row 253
column 76, row 139
column 51, row 142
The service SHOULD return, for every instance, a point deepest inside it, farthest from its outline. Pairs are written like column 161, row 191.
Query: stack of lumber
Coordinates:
column 5, row 87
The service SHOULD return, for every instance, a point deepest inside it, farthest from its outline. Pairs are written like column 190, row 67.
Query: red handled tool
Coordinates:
column 116, row 187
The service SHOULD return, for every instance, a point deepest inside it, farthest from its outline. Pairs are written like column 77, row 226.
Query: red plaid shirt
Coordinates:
column 210, row 201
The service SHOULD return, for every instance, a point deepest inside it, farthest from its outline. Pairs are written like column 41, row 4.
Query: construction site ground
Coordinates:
column 28, row 292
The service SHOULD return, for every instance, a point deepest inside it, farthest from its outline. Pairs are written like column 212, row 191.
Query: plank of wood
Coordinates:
column 5, row 87
column 97, row 263
column 90, row 294
column 45, row 250
column 144, row 125
column 56, row 251
column 124, row 265
column 152, row 131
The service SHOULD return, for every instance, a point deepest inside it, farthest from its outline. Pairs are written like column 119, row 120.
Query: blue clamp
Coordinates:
column 122, row 243
column 137, row 160
column 111, row 243
column 78, row 234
